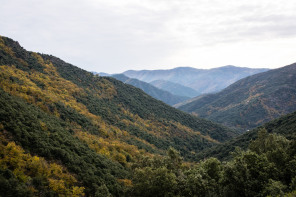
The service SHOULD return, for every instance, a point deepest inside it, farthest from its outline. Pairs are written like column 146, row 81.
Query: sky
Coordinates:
column 117, row 35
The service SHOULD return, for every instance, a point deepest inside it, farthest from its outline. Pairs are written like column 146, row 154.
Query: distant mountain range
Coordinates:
column 251, row 101
column 153, row 91
column 166, row 92
column 175, row 88
column 201, row 80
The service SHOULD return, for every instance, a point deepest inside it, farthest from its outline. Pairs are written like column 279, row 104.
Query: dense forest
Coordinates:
column 93, row 127
column 266, row 168
column 284, row 126
column 67, row 132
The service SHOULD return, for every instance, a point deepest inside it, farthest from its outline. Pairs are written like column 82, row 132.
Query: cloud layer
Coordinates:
column 114, row 35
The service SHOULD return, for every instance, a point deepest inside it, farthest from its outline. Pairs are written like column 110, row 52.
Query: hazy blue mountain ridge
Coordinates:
column 153, row 91
column 201, row 80
column 102, row 74
column 175, row 88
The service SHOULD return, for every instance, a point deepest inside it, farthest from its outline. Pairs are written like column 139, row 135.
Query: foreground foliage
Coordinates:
column 268, row 167
column 32, row 175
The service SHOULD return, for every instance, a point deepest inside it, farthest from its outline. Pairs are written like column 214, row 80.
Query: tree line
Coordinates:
column 267, row 168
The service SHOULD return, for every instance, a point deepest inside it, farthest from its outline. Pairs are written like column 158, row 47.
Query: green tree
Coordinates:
column 204, row 179
column 154, row 182
column 246, row 175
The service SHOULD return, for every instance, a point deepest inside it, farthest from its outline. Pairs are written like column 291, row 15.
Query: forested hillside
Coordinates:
column 26, row 128
column 251, row 101
column 285, row 126
column 90, row 129
column 151, row 90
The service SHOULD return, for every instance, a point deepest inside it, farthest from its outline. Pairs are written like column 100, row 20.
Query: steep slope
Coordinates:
column 175, row 88
column 251, row 101
column 285, row 125
column 157, row 93
column 201, row 80
column 92, row 126
column 52, row 138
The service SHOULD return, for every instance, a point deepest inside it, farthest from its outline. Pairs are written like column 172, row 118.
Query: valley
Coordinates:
column 65, row 131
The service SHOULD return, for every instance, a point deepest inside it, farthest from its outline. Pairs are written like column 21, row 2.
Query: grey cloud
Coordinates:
column 105, row 35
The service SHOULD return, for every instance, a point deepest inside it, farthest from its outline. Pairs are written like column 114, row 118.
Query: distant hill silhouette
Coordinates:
column 175, row 88
column 201, row 80
column 102, row 74
column 153, row 91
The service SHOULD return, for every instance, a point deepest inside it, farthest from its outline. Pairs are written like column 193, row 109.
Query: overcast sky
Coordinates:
column 117, row 35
